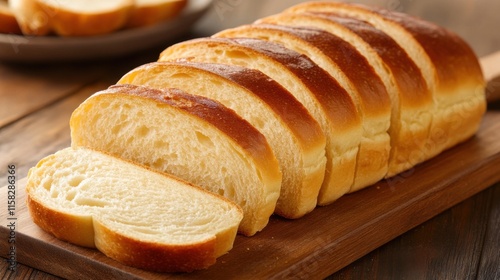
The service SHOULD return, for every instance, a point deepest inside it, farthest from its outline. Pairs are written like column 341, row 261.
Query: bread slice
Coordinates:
column 128, row 212
column 71, row 17
column 192, row 137
column 354, row 73
column 293, row 134
column 150, row 12
column 8, row 21
column 448, row 64
column 325, row 99
column 411, row 99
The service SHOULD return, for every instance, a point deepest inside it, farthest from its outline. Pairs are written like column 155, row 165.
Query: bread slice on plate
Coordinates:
column 31, row 20
column 8, row 21
column 447, row 63
column 149, row 12
column 341, row 60
column 136, row 216
column 319, row 92
column 71, row 17
column 295, row 137
column 189, row 136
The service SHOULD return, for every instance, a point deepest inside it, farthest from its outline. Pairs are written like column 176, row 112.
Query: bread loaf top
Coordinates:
column 412, row 88
column 329, row 94
column 455, row 61
column 272, row 93
column 370, row 93
column 443, row 56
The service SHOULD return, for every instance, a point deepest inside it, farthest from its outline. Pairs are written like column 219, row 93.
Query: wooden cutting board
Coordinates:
column 312, row 247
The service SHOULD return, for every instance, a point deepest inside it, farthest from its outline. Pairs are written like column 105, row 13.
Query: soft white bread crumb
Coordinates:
column 191, row 137
column 295, row 137
column 136, row 216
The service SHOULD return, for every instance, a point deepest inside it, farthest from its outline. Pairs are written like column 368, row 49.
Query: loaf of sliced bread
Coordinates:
column 319, row 92
column 293, row 134
column 136, row 216
column 192, row 137
column 341, row 60
column 150, row 12
column 448, row 65
column 294, row 110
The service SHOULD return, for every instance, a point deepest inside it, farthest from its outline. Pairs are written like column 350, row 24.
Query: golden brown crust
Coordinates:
column 76, row 230
column 337, row 103
column 210, row 111
column 282, row 102
column 154, row 256
column 372, row 91
column 409, row 79
column 455, row 61
column 144, row 15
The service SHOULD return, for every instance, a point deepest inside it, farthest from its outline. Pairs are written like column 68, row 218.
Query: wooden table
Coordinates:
column 35, row 104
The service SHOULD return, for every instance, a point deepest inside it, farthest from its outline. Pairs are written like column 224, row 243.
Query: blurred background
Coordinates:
column 476, row 21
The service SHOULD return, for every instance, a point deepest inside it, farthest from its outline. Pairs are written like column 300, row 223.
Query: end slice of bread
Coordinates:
column 128, row 212
column 189, row 136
